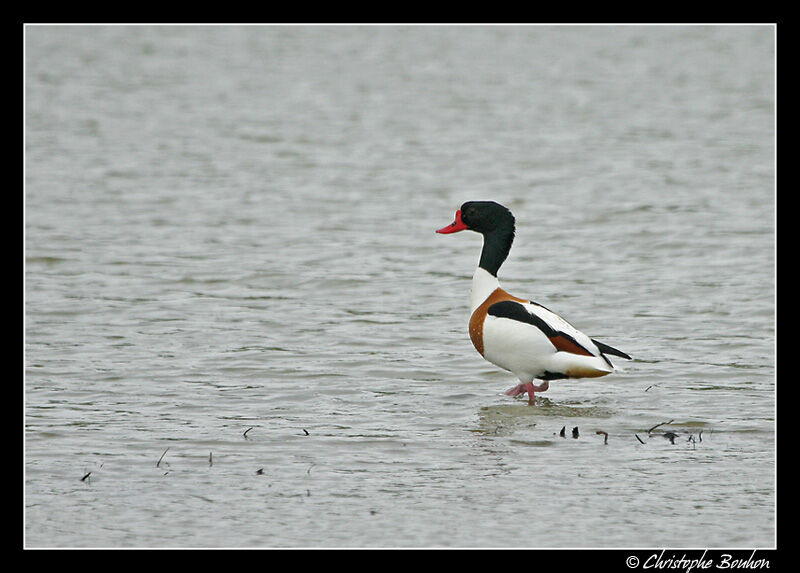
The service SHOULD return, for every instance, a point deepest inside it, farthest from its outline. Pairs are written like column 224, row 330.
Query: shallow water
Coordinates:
column 241, row 326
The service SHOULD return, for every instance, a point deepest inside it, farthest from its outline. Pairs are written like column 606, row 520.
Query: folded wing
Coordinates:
column 563, row 336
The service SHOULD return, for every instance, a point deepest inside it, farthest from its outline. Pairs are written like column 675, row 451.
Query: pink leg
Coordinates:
column 516, row 390
column 542, row 387
column 530, row 388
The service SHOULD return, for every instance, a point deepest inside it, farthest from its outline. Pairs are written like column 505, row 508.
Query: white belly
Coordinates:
column 525, row 350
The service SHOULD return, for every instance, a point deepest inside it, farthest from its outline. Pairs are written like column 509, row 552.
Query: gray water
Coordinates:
column 242, row 331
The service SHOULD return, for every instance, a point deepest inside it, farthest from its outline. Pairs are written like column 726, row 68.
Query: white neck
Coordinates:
column 483, row 284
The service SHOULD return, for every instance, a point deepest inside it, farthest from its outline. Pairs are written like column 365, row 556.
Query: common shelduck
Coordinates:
column 517, row 334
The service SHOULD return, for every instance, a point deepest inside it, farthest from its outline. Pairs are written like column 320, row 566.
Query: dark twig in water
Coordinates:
column 210, row 461
column 657, row 425
column 670, row 436
column 245, row 432
column 605, row 434
column 651, row 385
column 306, row 432
column 575, row 433
column 308, row 471
column 161, row 458
column 638, row 438
column 86, row 476
column 562, row 432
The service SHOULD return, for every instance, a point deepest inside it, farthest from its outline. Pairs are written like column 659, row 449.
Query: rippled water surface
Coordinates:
column 242, row 331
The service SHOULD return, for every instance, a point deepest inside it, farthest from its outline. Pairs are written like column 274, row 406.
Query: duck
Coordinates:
column 517, row 334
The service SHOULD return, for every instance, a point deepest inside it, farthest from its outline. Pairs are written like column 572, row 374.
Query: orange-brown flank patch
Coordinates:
column 477, row 318
column 566, row 345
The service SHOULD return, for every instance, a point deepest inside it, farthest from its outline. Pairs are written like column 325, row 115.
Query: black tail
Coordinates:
column 606, row 349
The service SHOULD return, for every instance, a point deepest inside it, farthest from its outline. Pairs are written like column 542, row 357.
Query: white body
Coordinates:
column 524, row 349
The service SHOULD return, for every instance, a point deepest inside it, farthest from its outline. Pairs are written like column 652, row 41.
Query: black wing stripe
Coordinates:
column 515, row 311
